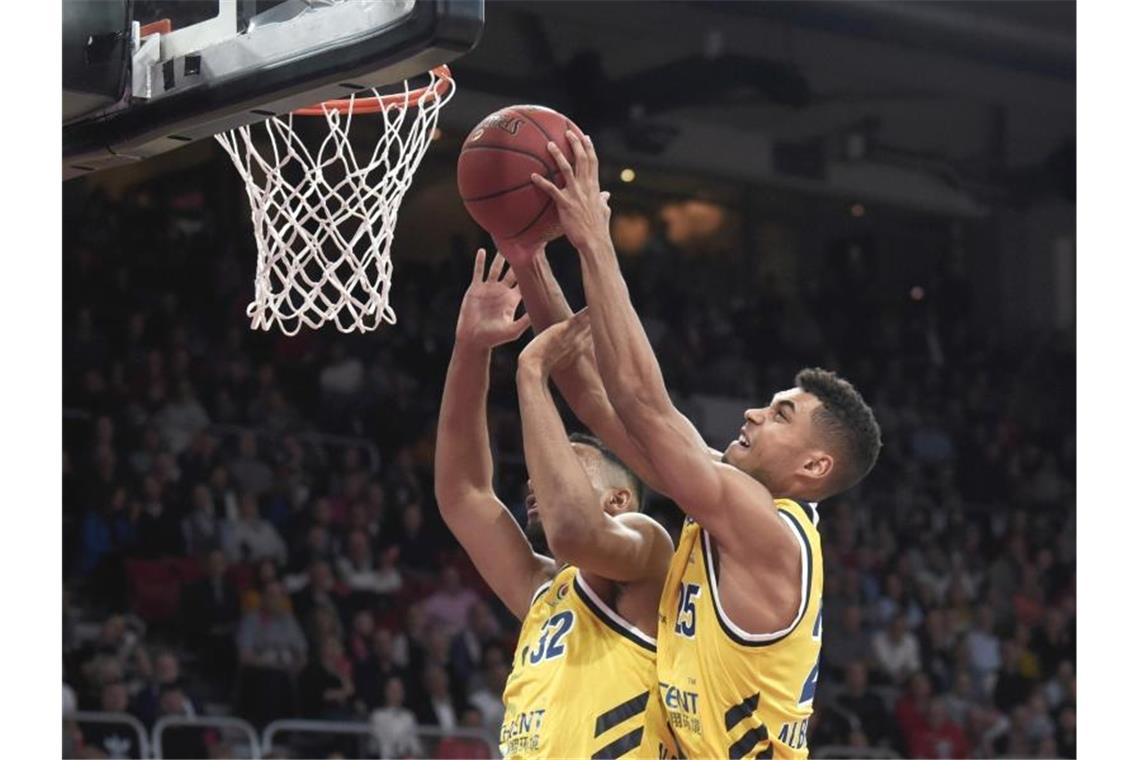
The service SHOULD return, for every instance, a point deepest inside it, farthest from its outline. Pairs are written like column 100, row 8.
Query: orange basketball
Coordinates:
column 494, row 171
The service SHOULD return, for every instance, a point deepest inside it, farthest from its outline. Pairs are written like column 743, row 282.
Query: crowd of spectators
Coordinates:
column 291, row 479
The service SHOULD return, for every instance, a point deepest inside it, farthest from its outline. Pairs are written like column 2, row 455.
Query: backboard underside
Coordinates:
column 129, row 95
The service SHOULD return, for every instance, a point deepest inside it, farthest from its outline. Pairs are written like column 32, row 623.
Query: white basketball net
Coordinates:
column 323, row 218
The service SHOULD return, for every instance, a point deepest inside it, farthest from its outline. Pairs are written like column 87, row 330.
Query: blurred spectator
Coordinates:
column 250, row 473
column 417, row 549
column 896, row 650
column 395, row 725
column 113, row 739
column 467, row 646
column 488, row 695
column 107, row 531
column 437, row 707
column 961, row 699
column 938, row 736
column 463, row 748
column 181, row 418
column 250, row 538
column 913, row 708
column 159, row 533
column 166, row 674
column 210, row 614
column 360, row 638
column 1053, row 641
column 180, row 741
column 373, row 672
column 449, row 605
column 201, row 529
column 362, row 573
column 1012, row 687
column 1066, row 736
column 874, row 718
column 326, row 688
column 271, row 650
column 848, row 643
column 322, row 590
column 222, row 491
column 983, row 646
column 144, row 457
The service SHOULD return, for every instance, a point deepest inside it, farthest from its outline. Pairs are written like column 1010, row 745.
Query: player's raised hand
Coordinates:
column 487, row 314
column 582, row 208
column 558, row 345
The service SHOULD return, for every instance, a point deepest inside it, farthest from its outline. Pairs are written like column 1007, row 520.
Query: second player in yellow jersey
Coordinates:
column 728, row 693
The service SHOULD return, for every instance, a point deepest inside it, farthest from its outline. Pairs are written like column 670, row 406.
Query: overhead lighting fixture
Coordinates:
column 436, row 134
column 858, row 210
column 628, row 175
column 917, row 293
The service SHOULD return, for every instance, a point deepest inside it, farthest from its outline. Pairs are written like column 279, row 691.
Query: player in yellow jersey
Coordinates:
column 740, row 624
column 583, row 682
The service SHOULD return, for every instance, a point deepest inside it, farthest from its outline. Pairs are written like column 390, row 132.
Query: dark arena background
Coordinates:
column 884, row 189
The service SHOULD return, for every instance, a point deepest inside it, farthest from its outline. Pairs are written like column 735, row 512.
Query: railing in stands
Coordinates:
column 204, row 721
column 115, row 718
column 365, row 729
column 844, row 752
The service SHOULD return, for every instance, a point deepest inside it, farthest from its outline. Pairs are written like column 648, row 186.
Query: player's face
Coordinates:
column 775, row 440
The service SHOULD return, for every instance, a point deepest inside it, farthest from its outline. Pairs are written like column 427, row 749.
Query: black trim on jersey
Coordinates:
column 748, row 742
column 737, row 713
column 622, row 712
column 609, row 621
column 711, row 573
column 620, row 746
column 811, row 512
column 542, row 589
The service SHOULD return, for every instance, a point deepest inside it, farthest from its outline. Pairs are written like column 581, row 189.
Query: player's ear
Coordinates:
column 819, row 464
column 619, row 500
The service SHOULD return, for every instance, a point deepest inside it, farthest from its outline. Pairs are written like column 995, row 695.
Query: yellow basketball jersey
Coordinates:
column 728, row 693
column 583, row 682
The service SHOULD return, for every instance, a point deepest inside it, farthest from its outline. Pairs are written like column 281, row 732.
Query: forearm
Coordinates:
column 628, row 368
column 546, row 304
column 463, row 443
column 566, row 498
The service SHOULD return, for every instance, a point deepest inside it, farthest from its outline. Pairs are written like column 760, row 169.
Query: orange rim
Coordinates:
column 375, row 104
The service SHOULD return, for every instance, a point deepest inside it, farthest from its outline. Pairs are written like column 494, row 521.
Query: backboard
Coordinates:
column 141, row 77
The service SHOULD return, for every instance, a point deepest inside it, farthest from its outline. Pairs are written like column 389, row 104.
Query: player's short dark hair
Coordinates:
column 637, row 487
column 846, row 421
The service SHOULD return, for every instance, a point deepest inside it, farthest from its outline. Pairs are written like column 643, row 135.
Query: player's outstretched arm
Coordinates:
column 626, row 548
column 463, row 466
column 577, row 379
column 734, row 507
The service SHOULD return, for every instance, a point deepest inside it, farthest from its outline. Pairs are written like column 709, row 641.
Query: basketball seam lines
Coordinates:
column 497, row 193
column 536, row 124
column 539, row 159
column 532, row 221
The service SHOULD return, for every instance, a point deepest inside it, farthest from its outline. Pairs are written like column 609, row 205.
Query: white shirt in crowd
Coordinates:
column 897, row 658
column 395, row 727
column 259, row 536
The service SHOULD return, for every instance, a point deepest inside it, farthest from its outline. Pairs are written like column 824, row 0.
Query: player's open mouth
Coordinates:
column 531, row 503
column 743, row 440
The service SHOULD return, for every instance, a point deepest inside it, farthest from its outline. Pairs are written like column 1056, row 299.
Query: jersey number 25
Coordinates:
column 687, row 610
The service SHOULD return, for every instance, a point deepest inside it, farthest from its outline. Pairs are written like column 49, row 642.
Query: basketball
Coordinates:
column 495, row 165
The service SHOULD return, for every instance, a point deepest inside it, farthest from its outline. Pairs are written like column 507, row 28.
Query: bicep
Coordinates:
column 499, row 550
